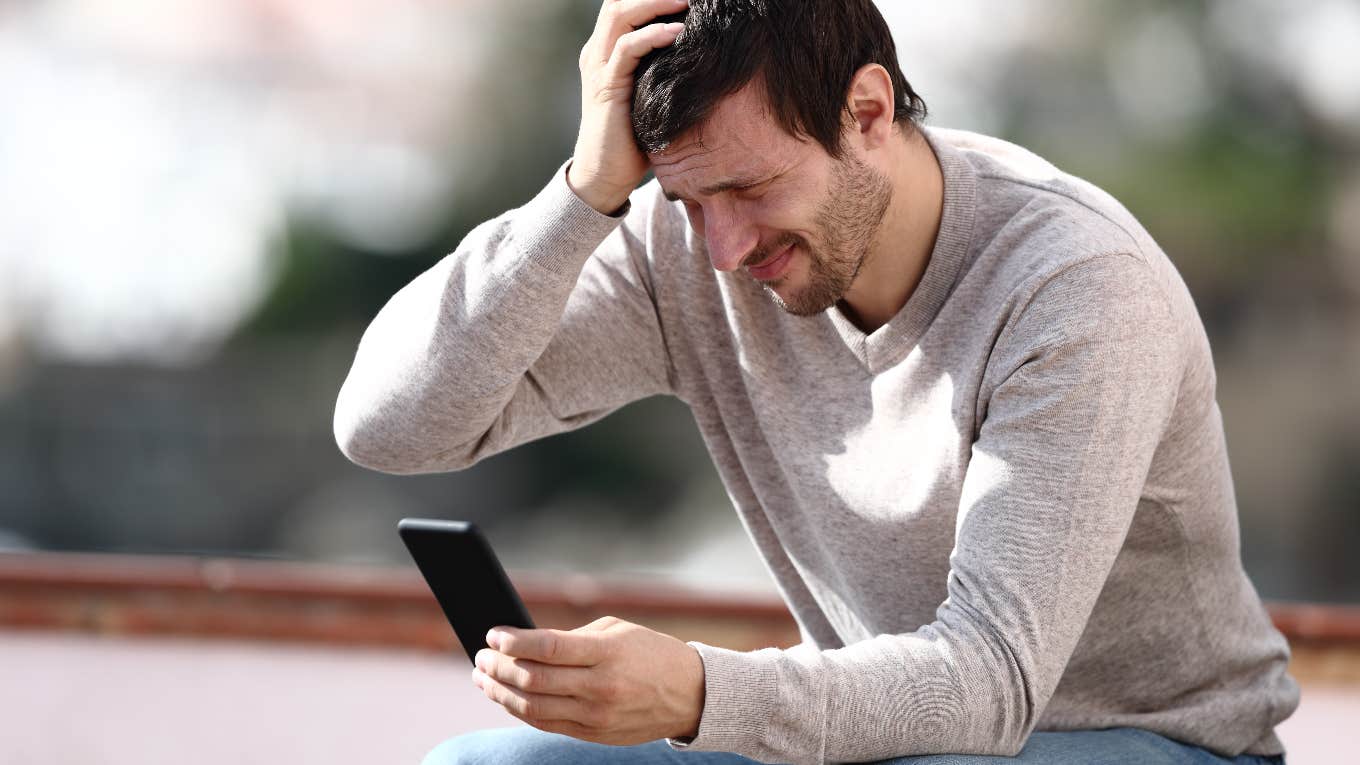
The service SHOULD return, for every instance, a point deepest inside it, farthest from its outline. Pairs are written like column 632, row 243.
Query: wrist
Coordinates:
column 606, row 201
column 694, row 696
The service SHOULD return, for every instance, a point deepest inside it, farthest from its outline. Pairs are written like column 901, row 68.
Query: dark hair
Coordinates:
column 806, row 51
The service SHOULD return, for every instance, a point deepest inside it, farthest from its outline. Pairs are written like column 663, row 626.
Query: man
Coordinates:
column 962, row 402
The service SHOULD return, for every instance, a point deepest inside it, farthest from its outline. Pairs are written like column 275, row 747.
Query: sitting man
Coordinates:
column 962, row 402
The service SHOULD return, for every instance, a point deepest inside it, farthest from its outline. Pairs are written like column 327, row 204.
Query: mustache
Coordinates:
column 763, row 252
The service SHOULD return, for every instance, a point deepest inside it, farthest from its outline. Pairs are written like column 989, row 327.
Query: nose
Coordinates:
column 730, row 237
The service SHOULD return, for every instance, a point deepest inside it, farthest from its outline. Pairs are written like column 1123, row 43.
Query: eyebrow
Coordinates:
column 718, row 188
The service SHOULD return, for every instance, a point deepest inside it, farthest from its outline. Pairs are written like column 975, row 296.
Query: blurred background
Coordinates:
column 203, row 203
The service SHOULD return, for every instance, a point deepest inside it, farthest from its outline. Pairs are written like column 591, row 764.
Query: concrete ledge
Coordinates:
column 388, row 606
column 350, row 605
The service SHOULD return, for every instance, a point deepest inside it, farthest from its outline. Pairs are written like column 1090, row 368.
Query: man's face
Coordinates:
column 800, row 222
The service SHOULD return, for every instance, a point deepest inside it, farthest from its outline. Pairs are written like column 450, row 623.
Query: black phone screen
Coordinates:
column 465, row 577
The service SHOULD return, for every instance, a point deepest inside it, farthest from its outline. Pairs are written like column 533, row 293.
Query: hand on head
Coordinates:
column 607, row 165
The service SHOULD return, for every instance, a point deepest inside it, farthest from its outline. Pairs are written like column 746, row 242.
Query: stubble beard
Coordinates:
column 846, row 223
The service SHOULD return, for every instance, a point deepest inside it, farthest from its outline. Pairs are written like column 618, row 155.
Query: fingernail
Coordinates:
column 493, row 638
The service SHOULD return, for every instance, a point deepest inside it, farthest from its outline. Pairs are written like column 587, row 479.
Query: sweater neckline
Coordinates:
column 886, row 346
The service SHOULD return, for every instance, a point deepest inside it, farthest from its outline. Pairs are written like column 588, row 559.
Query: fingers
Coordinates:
column 618, row 17
column 631, row 14
column 536, row 677
column 606, row 164
column 530, row 707
column 632, row 46
column 574, row 649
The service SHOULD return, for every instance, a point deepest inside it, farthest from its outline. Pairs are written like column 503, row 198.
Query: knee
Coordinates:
column 470, row 747
column 501, row 746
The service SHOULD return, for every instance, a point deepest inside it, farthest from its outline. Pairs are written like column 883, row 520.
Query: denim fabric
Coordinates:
column 1117, row 746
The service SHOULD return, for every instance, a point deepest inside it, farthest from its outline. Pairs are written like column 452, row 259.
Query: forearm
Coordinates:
column 442, row 360
column 941, row 689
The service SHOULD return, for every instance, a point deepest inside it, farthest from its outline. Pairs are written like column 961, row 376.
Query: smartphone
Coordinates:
column 465, row 577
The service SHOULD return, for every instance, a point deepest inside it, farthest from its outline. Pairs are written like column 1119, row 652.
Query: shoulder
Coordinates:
column 1107, row 297
column 1044, row 240
column 1036, row 219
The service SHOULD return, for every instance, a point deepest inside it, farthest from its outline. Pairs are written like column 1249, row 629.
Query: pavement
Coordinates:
column 89, row 700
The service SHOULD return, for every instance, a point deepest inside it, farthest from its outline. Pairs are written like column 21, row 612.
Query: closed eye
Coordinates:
column 745, row 189
column 753, row 190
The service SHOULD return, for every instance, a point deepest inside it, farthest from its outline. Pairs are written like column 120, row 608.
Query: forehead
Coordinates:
column 740, row 139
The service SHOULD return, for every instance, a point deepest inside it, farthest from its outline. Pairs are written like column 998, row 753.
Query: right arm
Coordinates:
column 541, row 320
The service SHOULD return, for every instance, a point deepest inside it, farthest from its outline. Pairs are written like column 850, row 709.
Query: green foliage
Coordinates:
column 1224, row 200
column 523, row 131
column 324, row 283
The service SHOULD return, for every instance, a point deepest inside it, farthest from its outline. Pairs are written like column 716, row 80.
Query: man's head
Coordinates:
column 764, row 118
column 803, row 52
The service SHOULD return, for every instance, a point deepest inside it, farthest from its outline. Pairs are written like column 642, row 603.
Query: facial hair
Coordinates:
column 846, row 222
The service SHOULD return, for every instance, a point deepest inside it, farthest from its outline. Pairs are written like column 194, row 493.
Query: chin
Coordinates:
column 802, row 302
column 803, row 290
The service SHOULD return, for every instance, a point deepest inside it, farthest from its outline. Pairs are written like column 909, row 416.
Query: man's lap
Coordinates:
column 520, row 746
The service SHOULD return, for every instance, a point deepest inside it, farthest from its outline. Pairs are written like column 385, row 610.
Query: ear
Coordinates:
column 870, row 101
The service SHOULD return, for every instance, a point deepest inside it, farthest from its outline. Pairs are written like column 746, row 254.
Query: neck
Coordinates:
column 901, row 250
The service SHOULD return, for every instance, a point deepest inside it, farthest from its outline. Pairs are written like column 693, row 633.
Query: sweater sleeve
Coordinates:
column 1082, row 382
column 540, row 321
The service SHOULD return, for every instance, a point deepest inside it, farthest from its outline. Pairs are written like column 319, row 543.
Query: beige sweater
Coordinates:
column 1009, row 508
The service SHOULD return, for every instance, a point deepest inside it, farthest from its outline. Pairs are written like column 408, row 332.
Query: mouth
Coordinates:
column 774, row 266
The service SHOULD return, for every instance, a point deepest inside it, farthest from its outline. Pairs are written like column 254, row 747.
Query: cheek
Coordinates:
column 782, row 212
column 800, row 270
column 771, row 213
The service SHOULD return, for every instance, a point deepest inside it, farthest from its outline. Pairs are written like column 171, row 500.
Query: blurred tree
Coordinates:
column 525, row 127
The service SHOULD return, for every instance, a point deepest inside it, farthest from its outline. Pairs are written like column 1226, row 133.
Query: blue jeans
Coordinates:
column 1117, row 746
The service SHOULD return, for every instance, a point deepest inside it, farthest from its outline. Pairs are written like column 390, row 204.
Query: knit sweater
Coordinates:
column 1007, row 509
